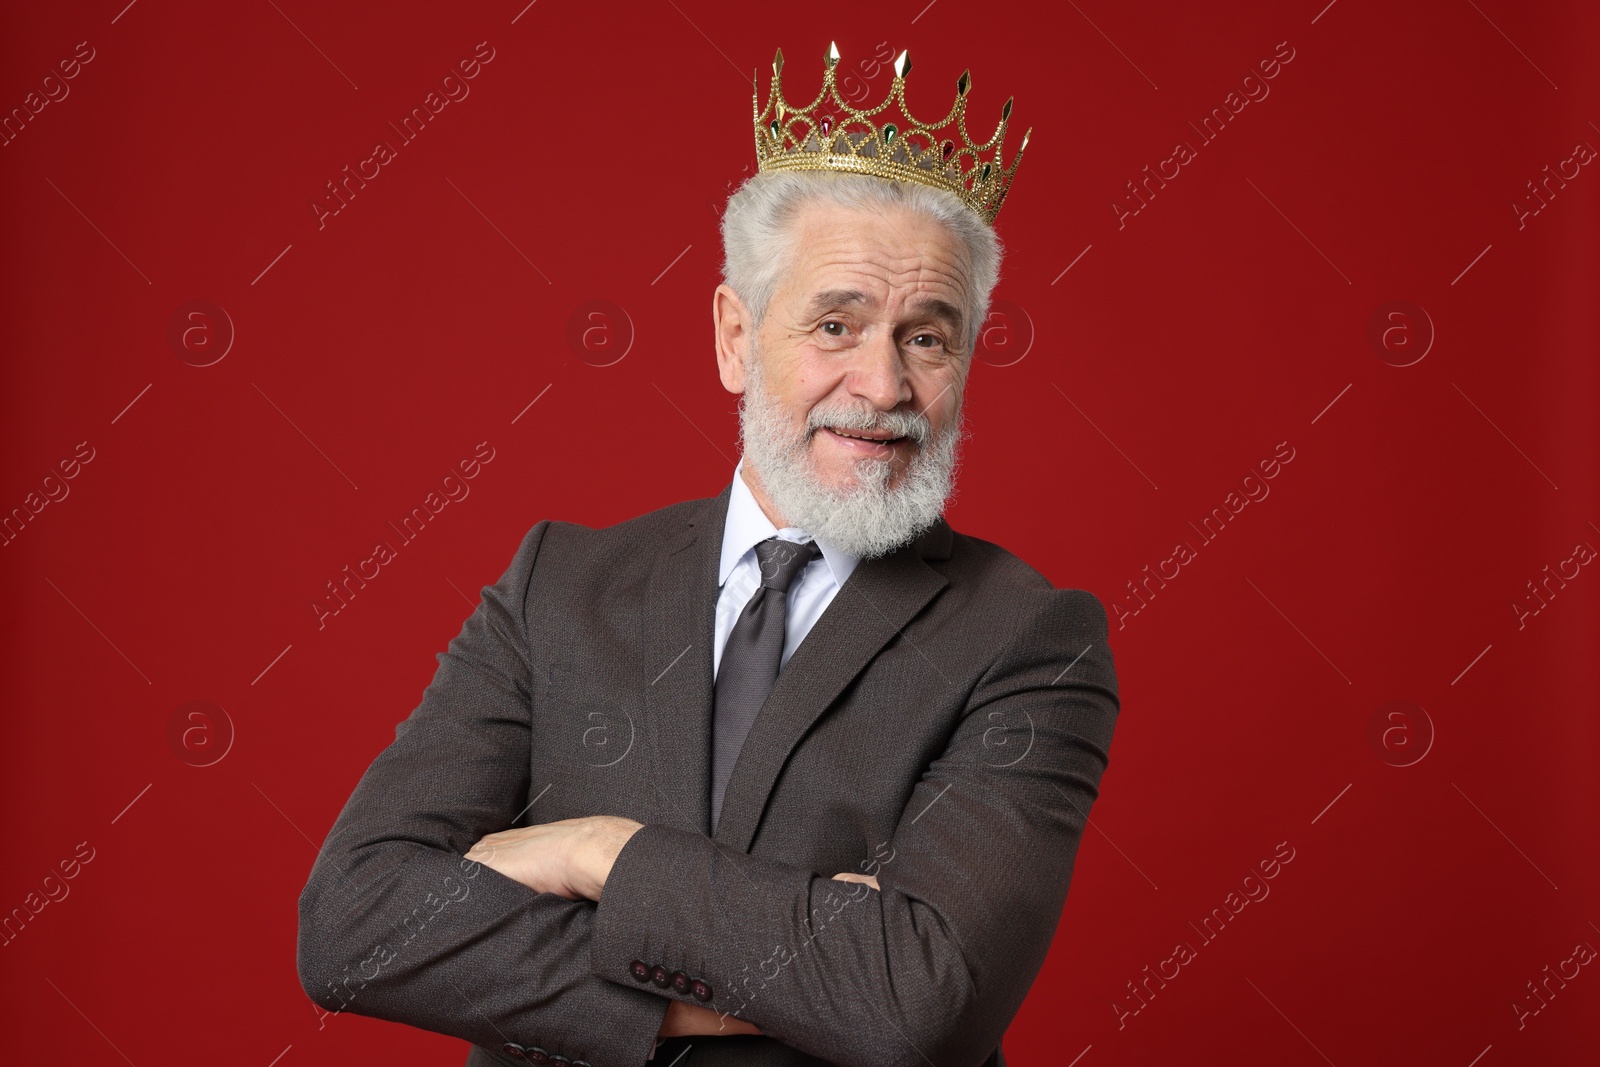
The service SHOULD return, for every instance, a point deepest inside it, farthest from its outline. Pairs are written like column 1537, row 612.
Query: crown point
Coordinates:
column 1005, row 112
column 833, row 54
column 902, row 65
column 964, row 82
column 777, row 63
column 1023, row 147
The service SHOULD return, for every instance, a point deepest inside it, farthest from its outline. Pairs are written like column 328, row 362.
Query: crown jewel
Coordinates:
column 829, row 134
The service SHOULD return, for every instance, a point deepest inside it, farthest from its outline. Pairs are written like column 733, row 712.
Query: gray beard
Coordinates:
column 868, row 519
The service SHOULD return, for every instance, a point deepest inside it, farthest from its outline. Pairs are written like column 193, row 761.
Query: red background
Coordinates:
column 1115, row 403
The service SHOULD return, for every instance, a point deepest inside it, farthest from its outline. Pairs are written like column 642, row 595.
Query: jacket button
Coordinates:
column 660, row 976
column 701, row 990
column 536, row 1054
column 640, row 972
column 556, row 1057
column 680, row 982
column 581, row 1063
column 511, row 1048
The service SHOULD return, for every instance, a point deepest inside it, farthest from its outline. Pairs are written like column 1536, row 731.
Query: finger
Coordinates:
column 851, row 876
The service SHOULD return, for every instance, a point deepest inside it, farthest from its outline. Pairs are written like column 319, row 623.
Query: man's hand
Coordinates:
column 865, row 879
column 691, row 1020
column 570, row 858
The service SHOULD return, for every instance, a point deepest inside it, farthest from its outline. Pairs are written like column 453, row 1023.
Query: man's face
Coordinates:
column 864, row 334
column 850, row 419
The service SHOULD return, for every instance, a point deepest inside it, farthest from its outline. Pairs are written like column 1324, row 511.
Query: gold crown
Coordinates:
column 829, row 134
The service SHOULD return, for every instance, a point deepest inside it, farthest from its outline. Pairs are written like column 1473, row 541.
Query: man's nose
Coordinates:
column 879, row 374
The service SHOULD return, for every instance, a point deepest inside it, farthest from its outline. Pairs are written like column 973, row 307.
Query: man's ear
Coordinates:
column 731, row 320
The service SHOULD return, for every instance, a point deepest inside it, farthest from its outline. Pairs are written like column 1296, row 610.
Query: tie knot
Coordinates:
column 781, row 560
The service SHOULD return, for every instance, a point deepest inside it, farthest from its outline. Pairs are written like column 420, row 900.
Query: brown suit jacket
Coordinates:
column 943, row 727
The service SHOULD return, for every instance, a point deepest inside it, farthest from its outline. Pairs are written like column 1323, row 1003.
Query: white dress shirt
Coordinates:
column 811, row 591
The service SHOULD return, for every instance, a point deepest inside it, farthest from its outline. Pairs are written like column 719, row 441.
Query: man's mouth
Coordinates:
column 866, row 443
column 881, row 436
column 870, row 441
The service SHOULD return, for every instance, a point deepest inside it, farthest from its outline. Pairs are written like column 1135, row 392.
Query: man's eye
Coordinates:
column 926, row 340
column 833, row 329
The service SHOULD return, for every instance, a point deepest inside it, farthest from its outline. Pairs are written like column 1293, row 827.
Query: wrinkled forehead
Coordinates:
column 889, row 259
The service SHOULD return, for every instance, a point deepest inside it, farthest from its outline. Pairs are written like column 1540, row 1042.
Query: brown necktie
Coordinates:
column 750, row 660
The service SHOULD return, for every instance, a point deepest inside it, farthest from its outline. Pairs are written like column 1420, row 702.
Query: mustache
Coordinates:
column 913, row 425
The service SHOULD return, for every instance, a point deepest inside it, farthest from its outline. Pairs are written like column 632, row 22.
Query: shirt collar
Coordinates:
column 747, row 526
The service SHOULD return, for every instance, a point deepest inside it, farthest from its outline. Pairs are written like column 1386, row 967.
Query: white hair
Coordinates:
column 758, row 237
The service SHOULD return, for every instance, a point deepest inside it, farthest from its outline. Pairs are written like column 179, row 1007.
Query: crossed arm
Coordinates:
column 395, row 921
column 408, row 914
column 571, row 858
column 398, row 923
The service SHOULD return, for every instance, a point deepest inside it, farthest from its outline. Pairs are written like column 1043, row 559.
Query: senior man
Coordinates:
column 794, row 774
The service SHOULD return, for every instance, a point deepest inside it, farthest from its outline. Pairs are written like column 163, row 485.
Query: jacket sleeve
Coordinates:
column 395, row 923
column 931, row 969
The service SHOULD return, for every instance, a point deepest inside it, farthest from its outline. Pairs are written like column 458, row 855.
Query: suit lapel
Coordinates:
column 680, row 624
column 880, row 598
